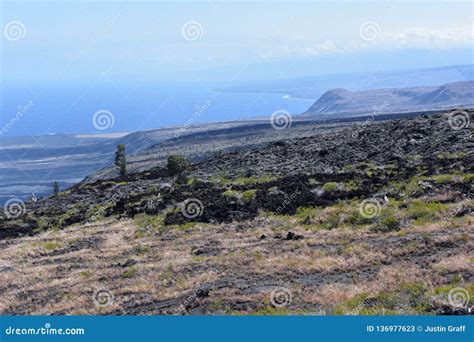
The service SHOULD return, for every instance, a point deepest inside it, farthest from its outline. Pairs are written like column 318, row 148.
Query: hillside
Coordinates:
column 312, row 87
column 28, row 165
column 371, row 219
column 394, row 100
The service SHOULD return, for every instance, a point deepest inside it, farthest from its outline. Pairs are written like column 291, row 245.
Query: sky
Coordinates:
column 63, row 41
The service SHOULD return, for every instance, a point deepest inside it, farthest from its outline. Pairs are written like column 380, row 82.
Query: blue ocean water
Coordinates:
column 37, row 109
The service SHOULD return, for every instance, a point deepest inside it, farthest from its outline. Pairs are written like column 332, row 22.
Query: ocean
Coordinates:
column 106, row 107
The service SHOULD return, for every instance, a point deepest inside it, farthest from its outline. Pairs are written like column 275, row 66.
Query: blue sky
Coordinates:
column 64, row 40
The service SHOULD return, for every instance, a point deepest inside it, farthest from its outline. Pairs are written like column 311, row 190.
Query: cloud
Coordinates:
column 412, row 37
column 455, row 36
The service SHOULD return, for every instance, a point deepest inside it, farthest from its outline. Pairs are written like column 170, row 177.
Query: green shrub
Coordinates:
column 130, row 273
column 387, row 224
column 231, row 193
column 49, row 245
column 330, row 186
column 245, row 196
column 446, row 178
column 449, row 155
column 423, row 212
column 147, row 223
column 252, row 180
column 407, row 188
column 391, row 223
column 333, row 221
column 248, row 196
column 177, row 165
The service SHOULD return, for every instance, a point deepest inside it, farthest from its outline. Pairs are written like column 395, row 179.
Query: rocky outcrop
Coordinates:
column 361, row 161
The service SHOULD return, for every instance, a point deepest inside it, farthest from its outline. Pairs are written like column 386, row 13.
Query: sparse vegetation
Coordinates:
column 442, row 179
column 245, row 196
column 130, row 273
column 453, row 155
column 330, row 186
column 49, row 245
column 146, row 224
column 55, row 188
column 120, row 160
column 252, row 231
column 178, row 167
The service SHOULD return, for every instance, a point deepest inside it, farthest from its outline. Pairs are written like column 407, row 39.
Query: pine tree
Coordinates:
column 120, row 160
column 55, row 188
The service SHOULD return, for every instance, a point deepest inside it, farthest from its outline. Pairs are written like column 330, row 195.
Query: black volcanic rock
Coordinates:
column 279, row 177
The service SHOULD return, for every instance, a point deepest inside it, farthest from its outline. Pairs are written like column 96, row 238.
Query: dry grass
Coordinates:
column 57, row 272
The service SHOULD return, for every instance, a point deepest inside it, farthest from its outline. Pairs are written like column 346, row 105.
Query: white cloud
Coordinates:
column 454, row 36
column 412, row 37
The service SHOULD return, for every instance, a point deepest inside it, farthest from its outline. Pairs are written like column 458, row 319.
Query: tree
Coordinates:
column 178, row 167
column 120, row 160
column 55, row 188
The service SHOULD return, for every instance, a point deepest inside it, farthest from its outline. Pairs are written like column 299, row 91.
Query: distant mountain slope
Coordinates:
column 394, row 100
column 312, row 87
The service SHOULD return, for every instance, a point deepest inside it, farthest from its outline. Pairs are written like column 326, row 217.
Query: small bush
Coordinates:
column 425, row 212
column 130, row 273
column 177, row 165
column 449, row 155
column 330, row 186
column 49, row 245
column 245, row 196
column 468, row 178
column 248, row 196
column 252, row 180
column 332, row 222
column 391, row 223
column 231, row 193
column 387, row 224
column 442, row 179
column 146, row 224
